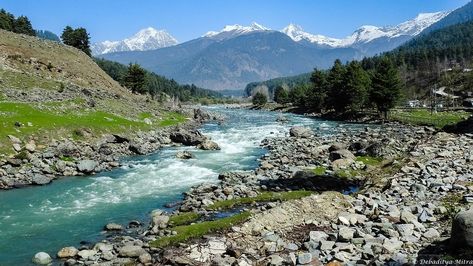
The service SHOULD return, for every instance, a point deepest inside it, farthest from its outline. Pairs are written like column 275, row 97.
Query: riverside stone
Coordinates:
column 42, row 258
column 67, row 252
column 86, row 166
column 131, row 251
column 300, row 132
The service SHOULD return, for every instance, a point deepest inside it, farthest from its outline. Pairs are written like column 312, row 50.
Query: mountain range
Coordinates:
column 144, row 40
column 236, row 55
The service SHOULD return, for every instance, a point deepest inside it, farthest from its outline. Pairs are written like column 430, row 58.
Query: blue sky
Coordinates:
column 188, row 19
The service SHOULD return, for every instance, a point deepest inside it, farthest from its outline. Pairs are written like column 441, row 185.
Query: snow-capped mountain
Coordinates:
column 368, row 33
column 231, row 31
column 145, row 39
column 298, row 34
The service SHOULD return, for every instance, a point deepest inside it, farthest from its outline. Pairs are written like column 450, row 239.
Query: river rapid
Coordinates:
column 75, row 209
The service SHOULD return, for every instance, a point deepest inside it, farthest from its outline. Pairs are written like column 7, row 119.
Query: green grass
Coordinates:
column 319, row 170
column 172, row 119
column 369, row 160
column 262, row 197
column 347, row 173
column 425, row 117
column 67, row 159
column 186, row 232
column 19, row 80
column 184, row 218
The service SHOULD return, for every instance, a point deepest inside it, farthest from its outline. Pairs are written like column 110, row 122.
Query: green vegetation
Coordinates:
column 78, row 38
column 319, row 170
column 347, row 173
column 280, row 95
column 172, row 119
column 66, row 159
column 272, row 84
column 369, row 160
column 186, row 232
column 25, row 81
column 153, row 84
column 184, row 218
column 425, row 117
column 262, row 197
column 260, row 99
column 453, row 203
column 18, row 25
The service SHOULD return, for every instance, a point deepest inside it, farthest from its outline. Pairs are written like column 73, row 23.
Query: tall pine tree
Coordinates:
column 135, row 79
column 23, row 25
column 355, row 87
column 78, row 38
column 386, row 86
column 335, row 80
column 318, row 94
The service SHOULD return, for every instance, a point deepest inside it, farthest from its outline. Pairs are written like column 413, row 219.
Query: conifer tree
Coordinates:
column 135, row 79
column 355, row 87
column 280, row 95
column 386, row 86
column 318, row 94
column 23, row 25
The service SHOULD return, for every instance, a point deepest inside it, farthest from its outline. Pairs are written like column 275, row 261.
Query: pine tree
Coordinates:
column 135, row 79
column 6, row 20
column 78, row 38
column 318, row 94
column 335, row 80
column 259, row 99
column 280, row 95
column 386, row 86
column 23, row 25
column 355, row 88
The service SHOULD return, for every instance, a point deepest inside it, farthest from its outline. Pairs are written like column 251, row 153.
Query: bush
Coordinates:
column 259, row 99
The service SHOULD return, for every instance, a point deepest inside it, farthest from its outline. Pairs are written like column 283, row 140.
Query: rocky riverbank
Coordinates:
column 39, row 165
column 409, row 182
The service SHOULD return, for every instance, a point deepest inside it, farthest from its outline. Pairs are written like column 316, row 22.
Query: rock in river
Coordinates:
column 67, row 252
column 208, row 145
column 300, row 132
column 42, row 258
column 184, row 155
column 86, row 166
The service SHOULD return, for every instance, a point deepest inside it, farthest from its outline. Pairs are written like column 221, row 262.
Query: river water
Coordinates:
column 75, row 209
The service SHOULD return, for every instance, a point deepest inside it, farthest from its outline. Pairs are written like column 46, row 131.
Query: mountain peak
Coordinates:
column 145, row 39
column 230, row 31
column 296, row 33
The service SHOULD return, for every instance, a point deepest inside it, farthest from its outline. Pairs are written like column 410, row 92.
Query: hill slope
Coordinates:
column 49, row 91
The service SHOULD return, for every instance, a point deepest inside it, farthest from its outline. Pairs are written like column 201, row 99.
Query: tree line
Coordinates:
column 20, row 24
column 141, row 81
column 347, row 88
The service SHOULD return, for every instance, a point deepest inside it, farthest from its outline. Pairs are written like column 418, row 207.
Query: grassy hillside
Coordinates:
column 49, row 90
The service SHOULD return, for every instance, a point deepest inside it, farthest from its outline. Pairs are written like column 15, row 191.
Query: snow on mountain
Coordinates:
column 296, row 33
column 368, row 33
column 146, row 39
column 231, row 31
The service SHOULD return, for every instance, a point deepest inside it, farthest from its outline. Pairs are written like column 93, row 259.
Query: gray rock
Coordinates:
column 326, row 245
column 184, row 155
column 186, row 137
column 407, row 217
column 431, row 234
column 67, row 252
column 341, row 154
column 462, row 230
column 318, row 236
column 276, row 260
column 87, row 253
column 42, row 258
column 208, row 145
column 404, row 229
column 40, row 179
column 86, row 166
column 304, row 258
column 345, row 234
column 145, row 258
column 131, row 251
column 158, row 219
column 113, row 227
column 300, row 132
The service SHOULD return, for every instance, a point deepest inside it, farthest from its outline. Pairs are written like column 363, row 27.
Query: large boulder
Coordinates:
column 67, row 252
column 300, row 132
column 39, row 179
column 187, row 137
column 208, row 145
column 131, row 251
column 341, row 154
column 159, row 219
column 42, row 258
column 184, row 155
column 462, row 231
column 86, row 166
